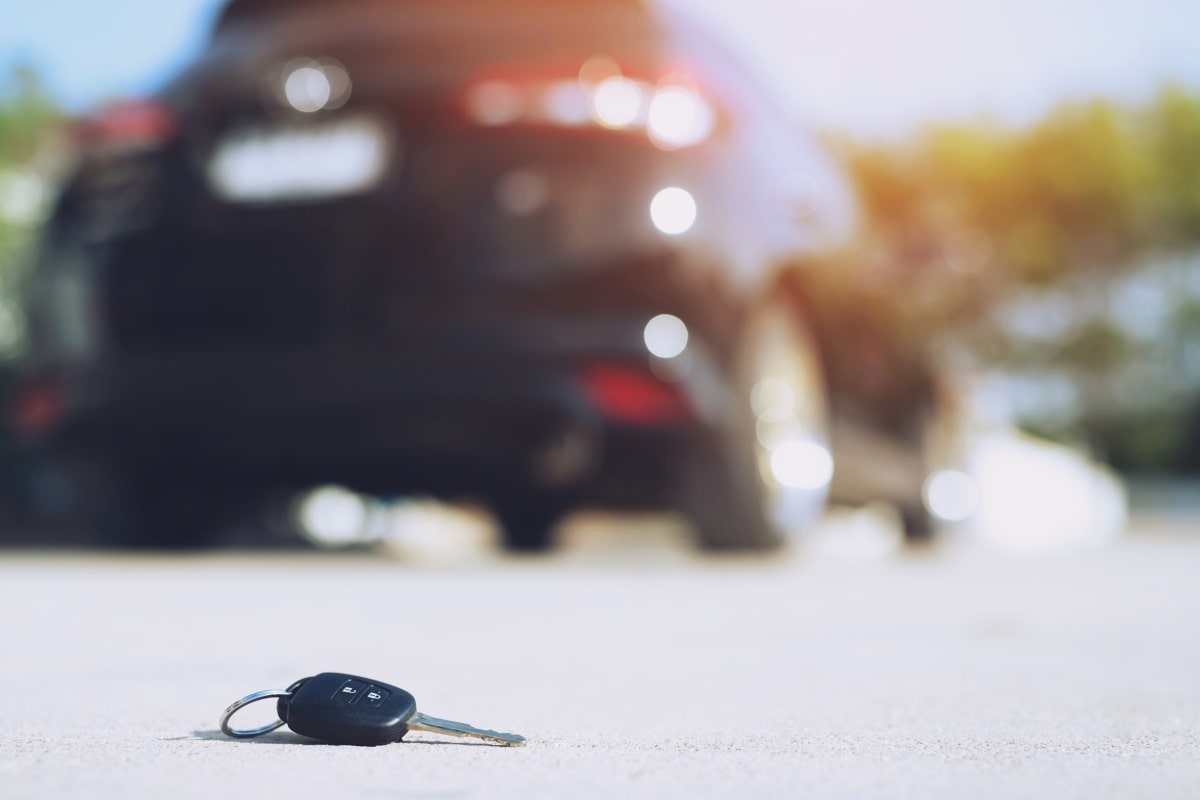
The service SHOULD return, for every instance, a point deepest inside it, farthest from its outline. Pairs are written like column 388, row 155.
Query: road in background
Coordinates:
column 635, row 668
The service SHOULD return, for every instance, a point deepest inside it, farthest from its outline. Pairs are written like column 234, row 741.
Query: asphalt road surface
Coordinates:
column 636, row 670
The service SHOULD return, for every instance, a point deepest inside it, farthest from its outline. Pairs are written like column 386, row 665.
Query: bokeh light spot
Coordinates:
column 802, row 465
column 308, row 89
column 673, row 211
column 617, row 102
column 678, row 117
column 951, row 495
column 666, row 336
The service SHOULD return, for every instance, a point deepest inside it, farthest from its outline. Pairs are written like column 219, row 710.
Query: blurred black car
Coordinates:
column 530, row 252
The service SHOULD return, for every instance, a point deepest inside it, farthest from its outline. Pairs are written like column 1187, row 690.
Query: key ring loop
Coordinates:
column 245, row 701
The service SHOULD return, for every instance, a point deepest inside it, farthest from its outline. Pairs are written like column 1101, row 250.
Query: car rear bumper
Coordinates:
column 483, row 404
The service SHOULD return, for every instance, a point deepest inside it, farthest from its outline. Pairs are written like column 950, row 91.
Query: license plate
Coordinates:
column 279, row 164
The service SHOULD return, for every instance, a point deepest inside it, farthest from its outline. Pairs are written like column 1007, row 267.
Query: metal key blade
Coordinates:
column 421, row 722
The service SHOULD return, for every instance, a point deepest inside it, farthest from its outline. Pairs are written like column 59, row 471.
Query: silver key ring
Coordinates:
column 245, row 701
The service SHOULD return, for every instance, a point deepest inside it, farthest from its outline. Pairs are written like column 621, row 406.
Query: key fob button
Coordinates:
column 375, row 696
column 350, row 691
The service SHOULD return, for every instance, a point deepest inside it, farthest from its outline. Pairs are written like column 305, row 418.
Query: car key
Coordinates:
column 348, row 709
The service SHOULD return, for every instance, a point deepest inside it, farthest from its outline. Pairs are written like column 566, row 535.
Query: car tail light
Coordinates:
column 626, row 394
column 125, row 126
column 37, row 408
column 669, row 109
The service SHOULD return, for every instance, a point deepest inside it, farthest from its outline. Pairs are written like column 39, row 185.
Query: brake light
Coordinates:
column 625, row 394
column 669, row 110
column 126, row 125
column 37, row 408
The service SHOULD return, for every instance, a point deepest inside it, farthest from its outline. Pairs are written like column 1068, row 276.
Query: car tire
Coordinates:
column 918, row 525
column 723, row 499
column 527, row 525
column 728, row 492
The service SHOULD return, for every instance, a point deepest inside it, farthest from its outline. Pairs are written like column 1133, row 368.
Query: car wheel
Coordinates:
column 765, row 471
column 527, row 523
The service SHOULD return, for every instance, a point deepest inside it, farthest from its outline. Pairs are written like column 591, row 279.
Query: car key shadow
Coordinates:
column 287, row 737
column 275, row 737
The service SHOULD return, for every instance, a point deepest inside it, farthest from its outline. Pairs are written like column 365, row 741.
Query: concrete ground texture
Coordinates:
column 635, row 671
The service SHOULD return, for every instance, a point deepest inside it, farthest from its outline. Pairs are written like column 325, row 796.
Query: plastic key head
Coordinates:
column 348, row 709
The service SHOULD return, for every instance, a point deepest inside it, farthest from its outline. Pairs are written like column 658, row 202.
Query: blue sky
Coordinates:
column 864, row 65
column 92, row 49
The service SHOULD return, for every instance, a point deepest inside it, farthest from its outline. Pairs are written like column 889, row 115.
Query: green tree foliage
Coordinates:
column 27, row 118
column 1173, row 133
column 29, row 121
column 1094, row 186
column 27, row 113
column 965, row 216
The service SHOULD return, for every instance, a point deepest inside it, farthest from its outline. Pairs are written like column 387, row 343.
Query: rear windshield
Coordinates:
column 237, row 11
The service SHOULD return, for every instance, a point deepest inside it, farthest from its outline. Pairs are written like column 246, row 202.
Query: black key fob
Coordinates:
column 348, row 709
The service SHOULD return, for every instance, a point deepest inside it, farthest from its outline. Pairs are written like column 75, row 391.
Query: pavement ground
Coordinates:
column 636, row 670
